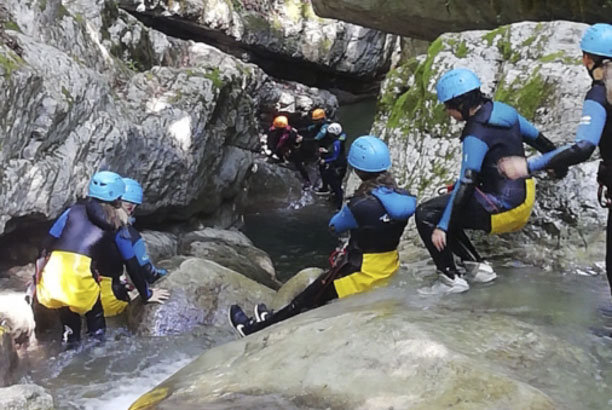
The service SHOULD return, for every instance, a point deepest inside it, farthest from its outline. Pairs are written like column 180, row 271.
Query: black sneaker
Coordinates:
column 239, row 320
column 262, row 313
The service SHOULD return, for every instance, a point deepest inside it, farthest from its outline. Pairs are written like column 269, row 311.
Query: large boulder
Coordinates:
column 233, row 250
column 86, row 86
column 426, row 19
column 536, row 67
column 17, row 317
column 361, row 354
column 201, row 292
column 269, row 31
column 25, row 397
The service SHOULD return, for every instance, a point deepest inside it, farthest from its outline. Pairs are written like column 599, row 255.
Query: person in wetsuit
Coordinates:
column 375, row 217
column 595, row 127
column 483, row 198
column 114, row 291
column 78, row 249
column 318, row 128
column 284, row 143
column 332, row 164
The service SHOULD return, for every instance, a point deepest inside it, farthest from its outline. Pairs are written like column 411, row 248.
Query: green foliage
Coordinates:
column 215, row 77
column 10, row 62
column 526, row 98
column 11, row 25
column 462, row 50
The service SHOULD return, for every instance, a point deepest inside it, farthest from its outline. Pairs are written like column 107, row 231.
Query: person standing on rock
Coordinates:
column 114, row 291
column 595, row 127
column 79, row 247
column 375, row 216
column 284, row 144
column 319, row 125
column 332, row 163
column 487, row 196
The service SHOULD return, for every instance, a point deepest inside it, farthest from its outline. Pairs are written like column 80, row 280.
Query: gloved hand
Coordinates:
column 159, row 296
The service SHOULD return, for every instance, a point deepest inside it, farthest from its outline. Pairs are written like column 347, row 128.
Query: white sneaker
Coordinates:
column 480, row 272
column 445, row 285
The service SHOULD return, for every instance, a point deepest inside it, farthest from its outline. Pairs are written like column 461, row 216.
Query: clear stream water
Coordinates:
column 576, row 372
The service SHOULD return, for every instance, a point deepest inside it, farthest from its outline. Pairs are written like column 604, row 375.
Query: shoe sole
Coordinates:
column 322, row 193
column 234, row 328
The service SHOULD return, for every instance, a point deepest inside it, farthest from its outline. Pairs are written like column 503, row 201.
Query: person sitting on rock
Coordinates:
column 375, row 216
column 284, row 144
column 114, row 291
column 332, row 164
column 595, row 128
column 79, row 248
column 487, row 196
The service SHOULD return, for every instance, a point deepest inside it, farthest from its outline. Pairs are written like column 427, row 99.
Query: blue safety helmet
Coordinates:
column 456, row 82
column 369, row 154
column 133, row 191
column 597, row 40
column 106, row 186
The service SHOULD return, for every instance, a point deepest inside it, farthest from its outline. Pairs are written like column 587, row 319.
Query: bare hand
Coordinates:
column 322, row 150
column 513, row 167
column 159, row 296
column 299, row 139
column 438, row 237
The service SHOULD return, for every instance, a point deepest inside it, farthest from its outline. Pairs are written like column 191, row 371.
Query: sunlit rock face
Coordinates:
column 86, row 86
column 426, row 19
column 535, row 67
column 286, row 31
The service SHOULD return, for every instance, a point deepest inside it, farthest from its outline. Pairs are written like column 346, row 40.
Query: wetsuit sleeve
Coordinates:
column 589, row 132
column 474, row 151
column 335, row 154
column 54, row 233
column 533, row 137
column 321, row 133
column 137, row 273
column 343, row 221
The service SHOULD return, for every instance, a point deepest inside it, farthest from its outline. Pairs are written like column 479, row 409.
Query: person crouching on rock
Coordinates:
column 79, row 247
column 487, row 196
column 375, row 216
column 114, row 291
column 284, row 144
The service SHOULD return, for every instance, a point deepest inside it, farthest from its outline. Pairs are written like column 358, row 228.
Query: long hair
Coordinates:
column 607, row 79
column 114, row 215
column 381, row 179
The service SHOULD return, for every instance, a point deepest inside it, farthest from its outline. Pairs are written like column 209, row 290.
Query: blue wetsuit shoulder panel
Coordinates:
column 343, row 220
column 58, row 226
column 399, row 206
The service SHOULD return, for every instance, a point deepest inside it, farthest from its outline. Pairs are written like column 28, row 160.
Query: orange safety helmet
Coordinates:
column 318, row 114
column 280, row 122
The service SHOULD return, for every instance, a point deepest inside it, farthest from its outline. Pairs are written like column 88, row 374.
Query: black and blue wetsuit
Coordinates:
column 376, row 221
column 483, row 198
column 80, row 246
column 334, row 165
column 595, row 129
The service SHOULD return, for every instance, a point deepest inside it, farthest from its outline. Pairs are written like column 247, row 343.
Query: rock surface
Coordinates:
column 25, row 397
column 361, row 355
column 201, row 293
column 8, row 356
column 285, row 30
column 427, row 19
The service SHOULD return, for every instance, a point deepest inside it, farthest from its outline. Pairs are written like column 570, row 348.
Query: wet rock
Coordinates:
column 535, row 67
column 8, row 356
column 294, row 286
column 426, row 19
column 233, row 250
column 160, row 245
column 201, row 292
column 17, row 317
column 25, row 397
column 350, row 354
column 273, row 185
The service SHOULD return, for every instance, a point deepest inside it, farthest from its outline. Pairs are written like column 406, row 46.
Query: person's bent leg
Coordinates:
column 71, row 326
column 335, row 183
column 315, row 295
column 428, row 215
column 96, row 325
